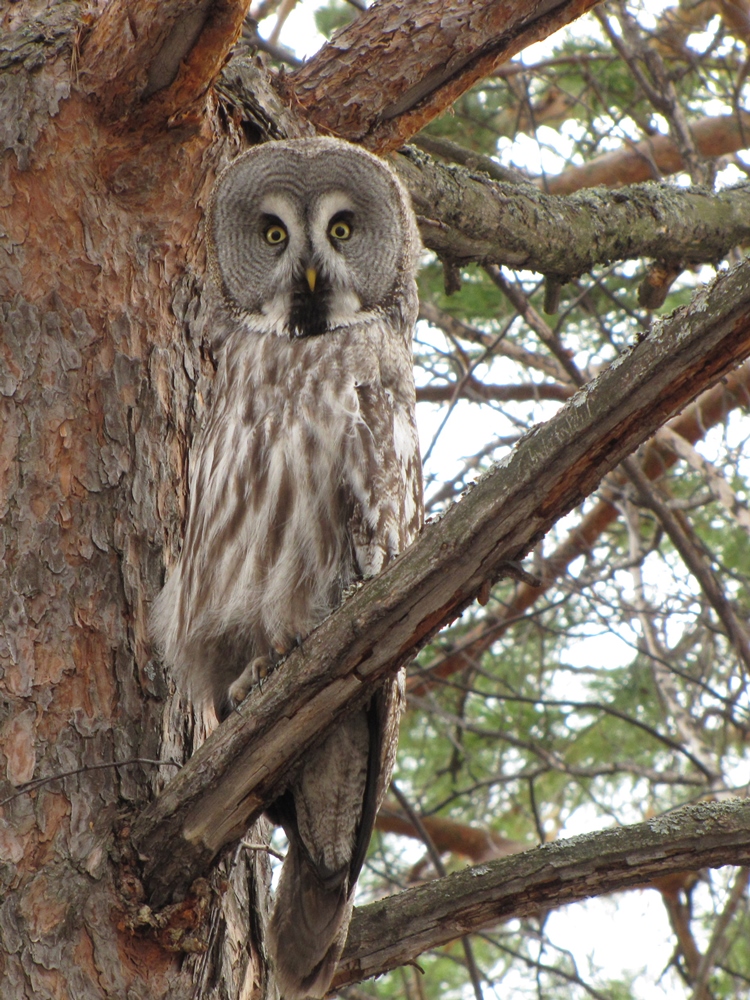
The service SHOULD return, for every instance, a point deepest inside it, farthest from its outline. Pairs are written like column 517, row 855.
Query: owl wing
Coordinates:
column 330, row 809
column 386, row 502
column 386, row 515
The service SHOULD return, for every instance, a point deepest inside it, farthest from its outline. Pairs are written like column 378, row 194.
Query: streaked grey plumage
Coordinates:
column 305, row 479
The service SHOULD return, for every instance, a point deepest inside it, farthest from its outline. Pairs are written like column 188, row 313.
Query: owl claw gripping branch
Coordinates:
column 305, row 479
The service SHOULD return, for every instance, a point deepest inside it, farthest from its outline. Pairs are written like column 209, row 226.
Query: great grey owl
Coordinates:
column 305, row 479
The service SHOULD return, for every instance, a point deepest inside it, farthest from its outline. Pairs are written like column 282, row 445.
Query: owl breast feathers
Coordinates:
column 305, row 479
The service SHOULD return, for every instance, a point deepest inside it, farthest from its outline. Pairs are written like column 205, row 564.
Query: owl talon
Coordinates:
column 253, row 675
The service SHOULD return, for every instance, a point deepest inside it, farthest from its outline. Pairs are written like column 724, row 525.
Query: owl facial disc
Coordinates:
column 307, row 237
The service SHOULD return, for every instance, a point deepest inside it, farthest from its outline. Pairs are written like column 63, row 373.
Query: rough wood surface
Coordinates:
column 385, row 76
column 691, row 425
column 241, row 767
column 110, row 144
column 397, row 929
column 101, row 378
column 469, row 217
column 152, row 62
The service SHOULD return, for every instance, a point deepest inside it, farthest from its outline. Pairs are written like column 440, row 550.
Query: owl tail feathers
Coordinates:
column 308, row 927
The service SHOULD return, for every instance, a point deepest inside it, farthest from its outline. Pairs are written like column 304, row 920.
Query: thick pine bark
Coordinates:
column 102, row 379
column 382, row 94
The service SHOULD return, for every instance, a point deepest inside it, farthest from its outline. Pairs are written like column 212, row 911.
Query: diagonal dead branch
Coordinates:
column 691, row 425
column 684, row 540
column 395, row 930
column 243, row 765
column 715, row 481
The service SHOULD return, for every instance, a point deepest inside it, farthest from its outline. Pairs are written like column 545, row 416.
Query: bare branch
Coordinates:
column 716, row 483
column 694, row 559
column 718, row 944
column 434, row 55
column 657, row 86
column 453, row 153
column 243, row 764
column 458, row 328
column 480, row 392
column 395, row 930
column 713, row 137
column 476, row 843
column 692, row 424
column 466, row 217
column 437, row 862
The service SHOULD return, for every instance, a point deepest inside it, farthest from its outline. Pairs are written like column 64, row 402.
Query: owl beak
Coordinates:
column 312, row 276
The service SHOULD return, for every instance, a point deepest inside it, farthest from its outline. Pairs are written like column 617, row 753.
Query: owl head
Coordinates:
column 309, row 235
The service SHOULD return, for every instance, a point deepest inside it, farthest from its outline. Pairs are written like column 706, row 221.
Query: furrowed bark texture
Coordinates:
column 468, row 217
column 101, row 378
column 242, row 765
column 109, row 146
column 400, row 63
column 151, row 63
column 397, row 929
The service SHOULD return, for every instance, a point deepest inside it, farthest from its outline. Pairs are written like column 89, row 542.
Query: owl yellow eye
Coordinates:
column 340, row 230
column 275, row 234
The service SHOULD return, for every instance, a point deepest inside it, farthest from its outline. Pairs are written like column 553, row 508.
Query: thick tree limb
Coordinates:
column 468, row 217
column 691, row 425
column 397, row 929
column 155, row 59
column 242, row 766
column 400, row 63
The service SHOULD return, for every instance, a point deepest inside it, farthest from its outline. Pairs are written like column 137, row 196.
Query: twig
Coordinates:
column 451, row 151
column 717, row 944
column 31, row 786
column 265, row 848
column 693, row 558
column 440, row 869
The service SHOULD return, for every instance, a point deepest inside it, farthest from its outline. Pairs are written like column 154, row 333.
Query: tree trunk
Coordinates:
column 111, row 138
column 103, row 378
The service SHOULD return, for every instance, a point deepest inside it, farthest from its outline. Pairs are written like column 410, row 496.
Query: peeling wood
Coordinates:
column 243, row 763
column 397, row 929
